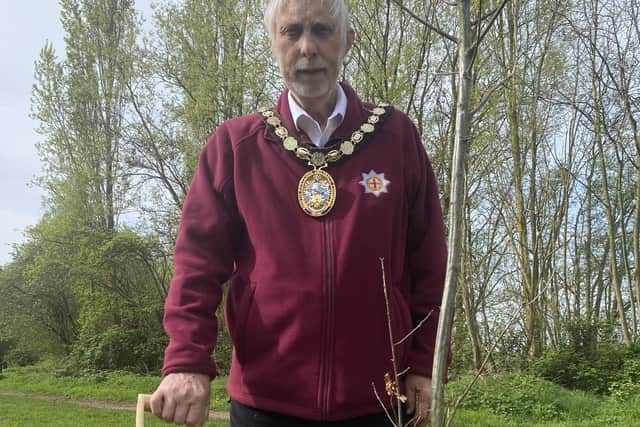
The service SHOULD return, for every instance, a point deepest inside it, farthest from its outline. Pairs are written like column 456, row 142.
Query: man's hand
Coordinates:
column 182, row 398
column 418, row 391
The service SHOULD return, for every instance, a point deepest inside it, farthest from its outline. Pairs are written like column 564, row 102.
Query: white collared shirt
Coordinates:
column 305, row 122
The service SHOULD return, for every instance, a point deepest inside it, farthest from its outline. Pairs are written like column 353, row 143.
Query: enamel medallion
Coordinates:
column 374, row 183
column 316, row 193
column 317, row 189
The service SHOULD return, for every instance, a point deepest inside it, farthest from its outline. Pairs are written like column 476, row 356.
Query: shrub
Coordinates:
column 21, row 357
column 6, row 344
column 116, row 348
column 515, row 396
column 601, row 371
column 627, row 385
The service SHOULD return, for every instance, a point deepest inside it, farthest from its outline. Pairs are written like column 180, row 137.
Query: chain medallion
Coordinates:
column 316, row 188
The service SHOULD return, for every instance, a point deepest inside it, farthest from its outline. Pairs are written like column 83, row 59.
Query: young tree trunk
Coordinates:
column 468, row 298
column 456, row 210
column 608, row 207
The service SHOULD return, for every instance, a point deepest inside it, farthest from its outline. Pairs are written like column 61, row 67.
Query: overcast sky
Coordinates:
column 25, row 26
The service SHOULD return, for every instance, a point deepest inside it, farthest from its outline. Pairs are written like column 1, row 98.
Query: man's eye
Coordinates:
column 322, row 30
column 292, row 32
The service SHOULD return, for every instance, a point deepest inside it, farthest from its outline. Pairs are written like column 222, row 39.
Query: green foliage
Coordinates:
column 224, row 347
column 21, row 411
column 460, row 346
column 52, row 378
column 586, row 336
column 95, row 288
column 35, row 316
column 22, row 357
column 120, row 325
column 215, row 55
column 480, row 418
column 511, row 400
column 123, row 126
column 626, row 386
column 6, row 345
column 606, row 369
column 619, row 413
column 511, row 354
column 521, row 396
column 80, row 104
column 510, row 396
column 90, row 293
column 118, row 347
column 15, row 355
column 80, row 273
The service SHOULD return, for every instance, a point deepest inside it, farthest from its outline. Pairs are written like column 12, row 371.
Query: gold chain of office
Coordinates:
column 316, row 157
column 317, row 189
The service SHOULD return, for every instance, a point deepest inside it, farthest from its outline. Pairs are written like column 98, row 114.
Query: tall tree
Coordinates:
column 81, row 104
column 215, row 56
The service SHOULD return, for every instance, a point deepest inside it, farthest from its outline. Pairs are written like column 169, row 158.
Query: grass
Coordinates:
column 515, row 400
column 108, row 386
column 519, row 400
column 20, row 412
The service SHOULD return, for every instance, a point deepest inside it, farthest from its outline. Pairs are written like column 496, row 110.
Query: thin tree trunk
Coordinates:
column 456, row 210
column 522, row 242
column 611, row 233
column 636, row 231
column 468, row 300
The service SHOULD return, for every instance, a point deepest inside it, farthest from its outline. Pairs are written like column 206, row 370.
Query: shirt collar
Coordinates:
column 339, row 111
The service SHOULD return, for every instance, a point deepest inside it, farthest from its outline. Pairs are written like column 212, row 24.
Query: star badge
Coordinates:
column 374, row 183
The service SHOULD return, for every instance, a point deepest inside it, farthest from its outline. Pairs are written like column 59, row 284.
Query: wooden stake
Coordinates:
column 144, row 405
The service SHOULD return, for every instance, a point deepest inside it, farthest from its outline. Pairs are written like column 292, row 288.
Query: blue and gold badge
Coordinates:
column 316, row 193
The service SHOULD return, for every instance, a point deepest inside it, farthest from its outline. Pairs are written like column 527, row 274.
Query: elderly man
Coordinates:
column 295, row 207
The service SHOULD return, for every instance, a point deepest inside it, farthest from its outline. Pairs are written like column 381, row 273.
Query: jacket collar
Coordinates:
column 355, row 116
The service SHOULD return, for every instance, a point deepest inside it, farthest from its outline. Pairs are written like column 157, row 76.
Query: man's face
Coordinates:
column 309, row 48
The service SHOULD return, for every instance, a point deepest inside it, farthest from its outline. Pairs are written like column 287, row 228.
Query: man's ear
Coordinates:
column 351, row 36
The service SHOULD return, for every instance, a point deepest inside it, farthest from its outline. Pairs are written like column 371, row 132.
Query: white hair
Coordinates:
column 337, row 10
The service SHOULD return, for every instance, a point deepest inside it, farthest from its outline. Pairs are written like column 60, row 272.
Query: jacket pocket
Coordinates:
column 240, row 302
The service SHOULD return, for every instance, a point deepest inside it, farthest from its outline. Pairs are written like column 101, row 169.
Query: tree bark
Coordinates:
column 456, row 210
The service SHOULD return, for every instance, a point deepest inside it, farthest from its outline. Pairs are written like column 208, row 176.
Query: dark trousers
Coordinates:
column 246, row 416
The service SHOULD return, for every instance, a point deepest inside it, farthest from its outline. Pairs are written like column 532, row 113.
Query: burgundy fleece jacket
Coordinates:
column 306, row 308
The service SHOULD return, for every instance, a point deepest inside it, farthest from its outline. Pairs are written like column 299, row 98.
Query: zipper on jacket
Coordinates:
column 326, row 365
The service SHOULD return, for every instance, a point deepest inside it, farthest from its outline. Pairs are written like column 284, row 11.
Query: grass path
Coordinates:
column 93, row 403
column 35, row 396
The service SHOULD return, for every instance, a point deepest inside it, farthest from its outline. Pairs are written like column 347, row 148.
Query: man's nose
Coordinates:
column 308, row 45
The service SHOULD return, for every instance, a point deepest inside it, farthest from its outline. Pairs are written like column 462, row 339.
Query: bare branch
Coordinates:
column 386, row 411
column 415, row 329
column 407, row 369
column 425, row 23
column 394, row 362
column 516, row 313
column 496, row 13
column 487, row 95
